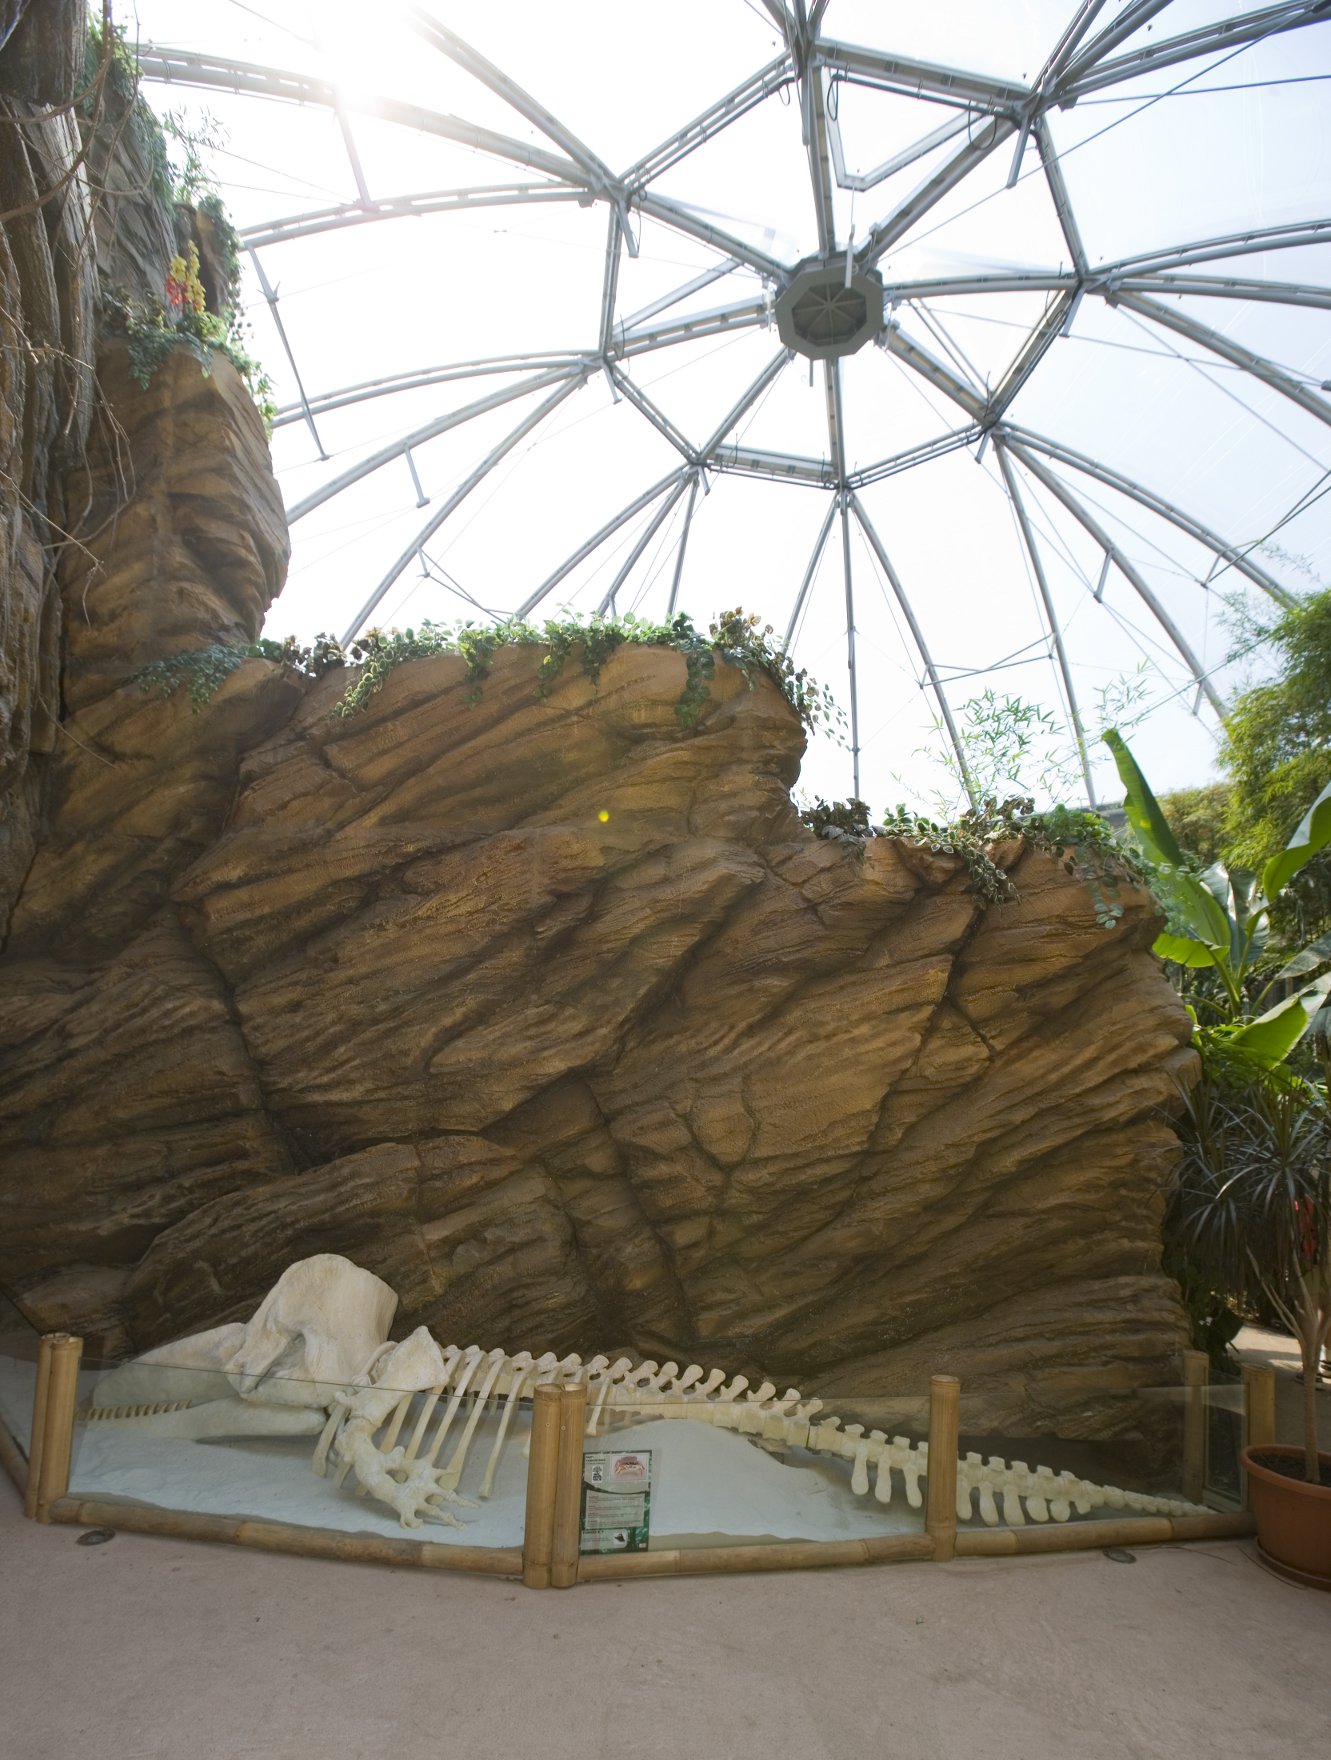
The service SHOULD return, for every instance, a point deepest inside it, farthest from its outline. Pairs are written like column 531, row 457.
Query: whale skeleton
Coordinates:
column 363, row 1419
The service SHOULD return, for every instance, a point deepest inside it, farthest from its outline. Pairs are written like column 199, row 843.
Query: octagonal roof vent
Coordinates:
column 822, row 315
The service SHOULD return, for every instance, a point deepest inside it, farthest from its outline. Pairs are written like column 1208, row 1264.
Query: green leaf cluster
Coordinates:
column 1219, row 921
column 1081, row 840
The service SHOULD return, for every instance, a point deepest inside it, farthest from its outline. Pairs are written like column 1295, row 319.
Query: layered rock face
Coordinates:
column 684, row 1080
column 550, row 1012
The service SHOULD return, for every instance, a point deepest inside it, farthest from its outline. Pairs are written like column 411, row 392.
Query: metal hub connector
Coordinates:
column 823, row 313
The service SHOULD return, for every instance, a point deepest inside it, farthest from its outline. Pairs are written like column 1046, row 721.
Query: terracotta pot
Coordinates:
column 1293, row 1518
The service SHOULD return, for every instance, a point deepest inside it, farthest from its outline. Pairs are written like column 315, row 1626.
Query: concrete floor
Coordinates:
column 154, row 1649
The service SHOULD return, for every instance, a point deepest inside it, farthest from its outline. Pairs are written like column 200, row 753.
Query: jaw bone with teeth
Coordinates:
column 316, row 1360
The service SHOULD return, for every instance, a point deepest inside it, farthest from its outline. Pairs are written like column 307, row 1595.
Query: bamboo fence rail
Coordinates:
column 549, row 1555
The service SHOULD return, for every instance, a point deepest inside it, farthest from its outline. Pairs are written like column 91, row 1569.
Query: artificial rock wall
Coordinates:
column 684, row 1080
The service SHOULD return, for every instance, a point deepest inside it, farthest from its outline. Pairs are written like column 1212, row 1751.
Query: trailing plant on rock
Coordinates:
column 1081, row 840
column 205, row 670
column 734, row 637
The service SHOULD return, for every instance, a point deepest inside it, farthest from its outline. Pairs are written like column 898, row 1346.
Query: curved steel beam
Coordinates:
column 1225, row 33
column 369, row 389
column 1206, row 250
column 935, row 372
column 745, row 404
column 921, row 646
column 737, row 317
column 1131, row 19
column 1255, row 364
column 913, row 455
column 1035, row 348
column 418, row 436
column 459, row 495
column 682, row 218
column 915, row 78
column 894, row 226
column 176, row 67
column 1285, row 293
column 1058, row 189
column 408, row 207
column 773, row 78
column 447, row 42
column 1027, row 438
column 1051, row 617
column 1128, row 569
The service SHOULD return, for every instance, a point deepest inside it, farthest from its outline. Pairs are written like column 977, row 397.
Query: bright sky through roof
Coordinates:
column 1151, row 424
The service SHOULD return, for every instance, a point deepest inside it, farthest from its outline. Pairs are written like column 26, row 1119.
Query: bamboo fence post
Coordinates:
column 542, row 1477
column 37, row 1436
column 940, row 1514
column 58, row 1431
column 1259, row 1411
column 568, row 1491
column 1196, row 1378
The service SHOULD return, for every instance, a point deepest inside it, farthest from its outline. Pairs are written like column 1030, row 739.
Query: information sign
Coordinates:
column 616, row 1501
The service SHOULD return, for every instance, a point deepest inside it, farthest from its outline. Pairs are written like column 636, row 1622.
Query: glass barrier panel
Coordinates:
column 18, row 1376
column 740, row 1471
column 1086, row 1444
column 179, row 1437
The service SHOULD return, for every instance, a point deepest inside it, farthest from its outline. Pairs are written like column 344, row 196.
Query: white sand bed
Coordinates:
column 707, row 1484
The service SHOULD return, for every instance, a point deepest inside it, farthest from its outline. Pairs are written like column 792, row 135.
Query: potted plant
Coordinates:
column 1250, row 1205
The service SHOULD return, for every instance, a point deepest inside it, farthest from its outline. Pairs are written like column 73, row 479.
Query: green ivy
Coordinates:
column 742, row 640
column 206, row 670
column 1081, row 840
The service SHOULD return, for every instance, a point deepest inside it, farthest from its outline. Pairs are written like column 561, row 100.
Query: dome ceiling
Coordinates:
column 972, row 353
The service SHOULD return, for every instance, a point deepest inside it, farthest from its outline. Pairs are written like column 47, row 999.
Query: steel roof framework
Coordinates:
column 979, row 116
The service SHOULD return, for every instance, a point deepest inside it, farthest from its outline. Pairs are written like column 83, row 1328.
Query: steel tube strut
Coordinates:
column 772, row 78
column 653, row 527
column 1155, row 503
column 1125, row 566
column 608, row 530
column 850, row 648
column 1258, row 365
column 406, row 207
column 906, row 214
column 447, row 42
column 1032, row 550
column 459, row 495
column 270, row 294
column 1225, row 33
column 426, row 376
column 683, row 545
column 440, row 425
column 820, row 544
column 177, row 67
column 922, row 648
column 1132, row 19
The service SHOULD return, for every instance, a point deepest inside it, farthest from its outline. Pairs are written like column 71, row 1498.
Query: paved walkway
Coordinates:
column 154, row 1649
